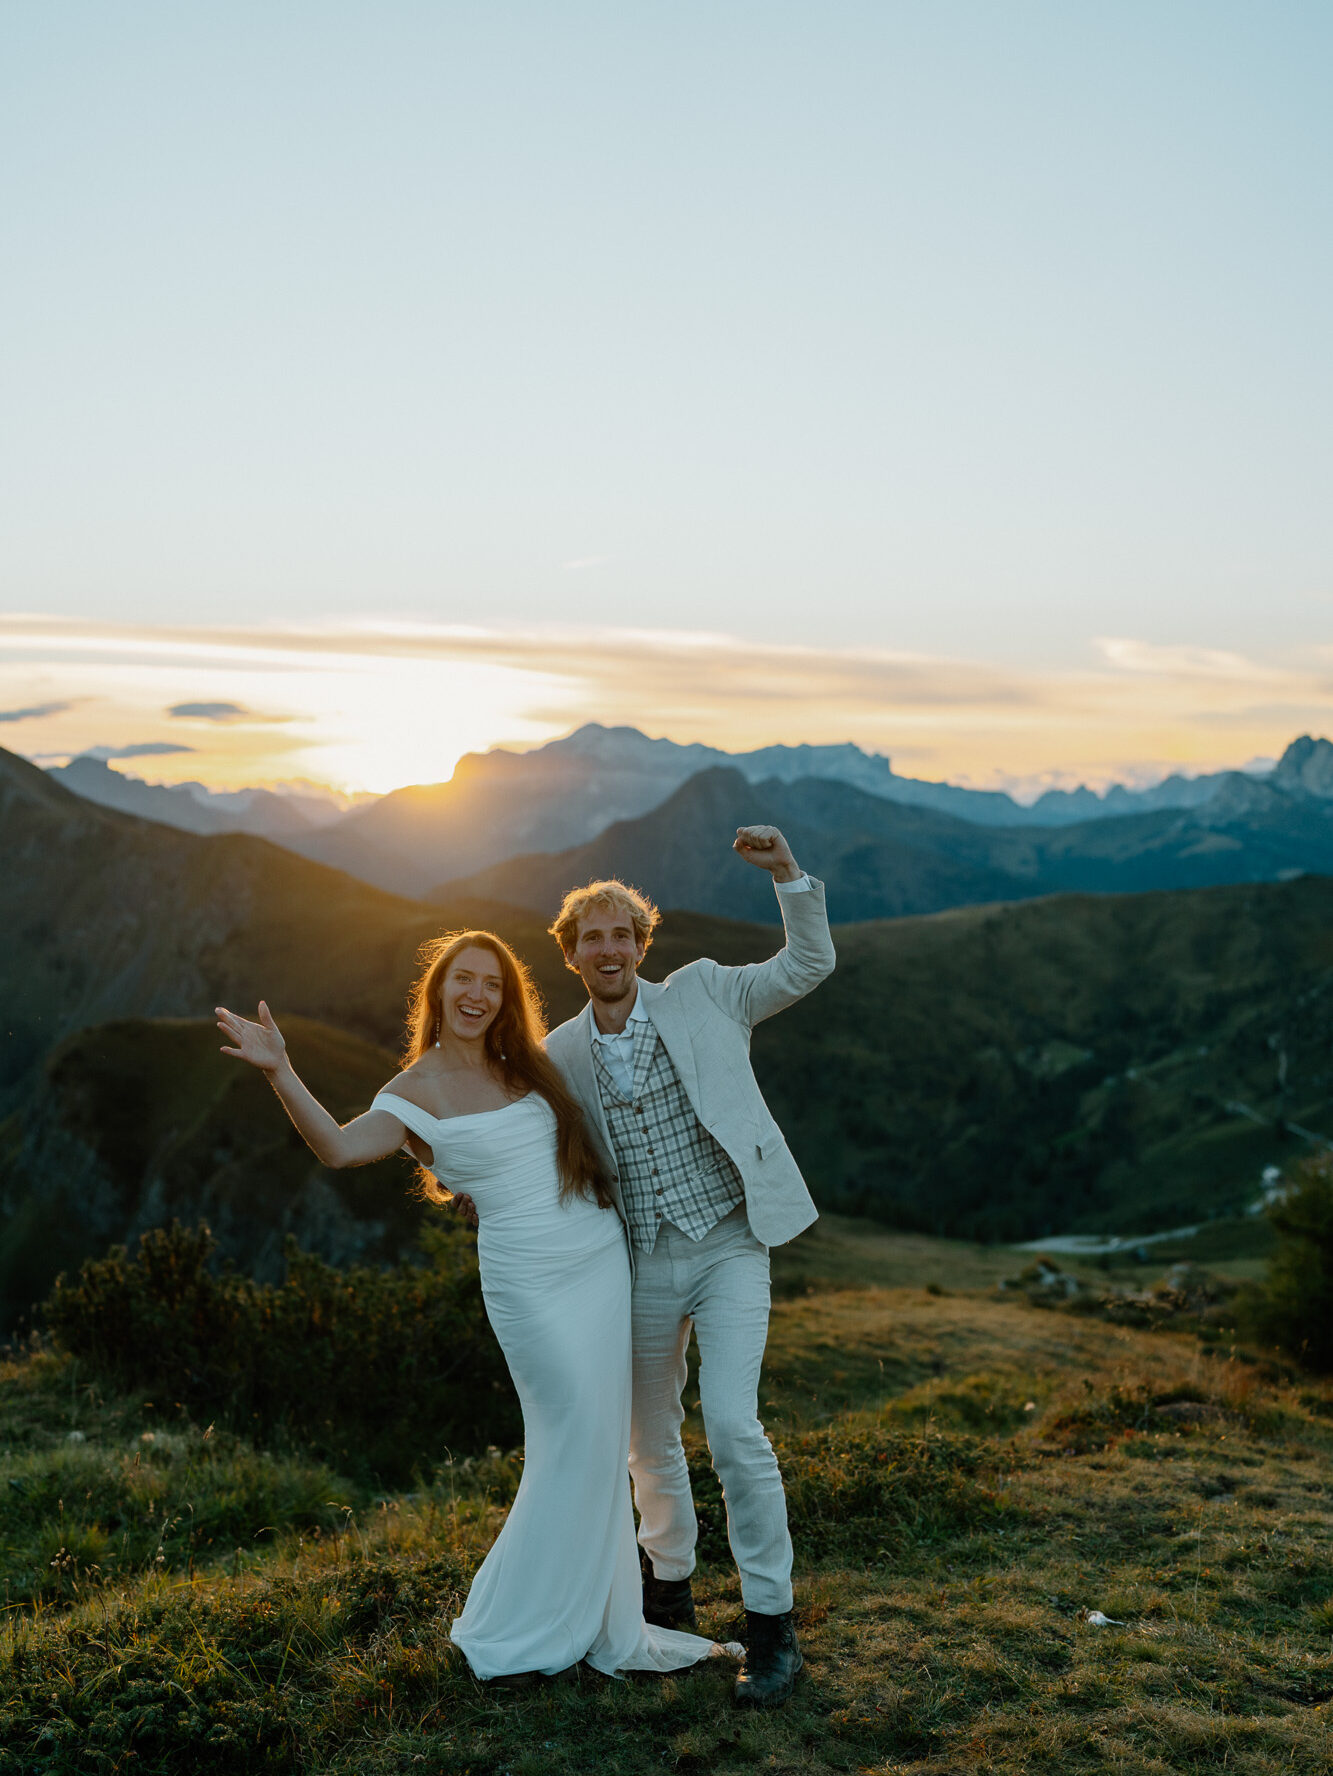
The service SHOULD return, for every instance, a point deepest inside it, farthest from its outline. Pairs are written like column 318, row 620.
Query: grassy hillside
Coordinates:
column 1081, row 1062
column 969, row 1478
column 142, row 1121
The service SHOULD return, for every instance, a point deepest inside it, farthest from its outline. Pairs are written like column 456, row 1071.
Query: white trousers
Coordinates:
column 719, row 1285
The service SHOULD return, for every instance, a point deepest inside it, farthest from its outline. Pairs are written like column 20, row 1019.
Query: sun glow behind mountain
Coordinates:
column 384, row 723
column 234, row 711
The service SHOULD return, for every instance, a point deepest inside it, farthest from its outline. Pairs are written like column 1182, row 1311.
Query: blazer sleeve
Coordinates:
column 754, row 992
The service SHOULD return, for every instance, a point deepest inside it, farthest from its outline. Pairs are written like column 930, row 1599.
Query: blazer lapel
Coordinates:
column 659, row 1003
column 583, row 1076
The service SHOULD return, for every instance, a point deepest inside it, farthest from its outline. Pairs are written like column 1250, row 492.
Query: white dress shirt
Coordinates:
column 618, row 1045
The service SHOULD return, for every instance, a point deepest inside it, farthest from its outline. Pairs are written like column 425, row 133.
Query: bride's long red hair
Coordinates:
column 514, row 1049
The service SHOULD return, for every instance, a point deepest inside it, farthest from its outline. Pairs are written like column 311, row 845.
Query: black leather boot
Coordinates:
column 772, row 1659
column 667, row 1603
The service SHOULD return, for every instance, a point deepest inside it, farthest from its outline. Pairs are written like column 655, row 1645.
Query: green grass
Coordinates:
column 968, row 1477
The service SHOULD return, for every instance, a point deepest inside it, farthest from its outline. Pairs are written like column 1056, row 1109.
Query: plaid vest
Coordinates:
column 671, row 1168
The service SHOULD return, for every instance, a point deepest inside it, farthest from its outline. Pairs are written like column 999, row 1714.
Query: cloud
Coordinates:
column 701, row 666
column 35, row 712
column 225, row 712
column 1131, row 707
column 140, row 749
column 213, row 712
column 581, row 561
column 1182, row 662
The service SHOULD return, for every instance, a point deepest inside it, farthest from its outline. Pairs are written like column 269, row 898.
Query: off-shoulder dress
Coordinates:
column 561, row 1582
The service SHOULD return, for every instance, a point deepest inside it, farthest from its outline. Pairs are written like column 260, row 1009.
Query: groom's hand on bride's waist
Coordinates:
column 765, row 847
column 463, row 1205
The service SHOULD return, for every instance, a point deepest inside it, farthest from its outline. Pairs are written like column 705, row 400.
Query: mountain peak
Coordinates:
column 1307, row 767
column 596, row 741
column 24, row 781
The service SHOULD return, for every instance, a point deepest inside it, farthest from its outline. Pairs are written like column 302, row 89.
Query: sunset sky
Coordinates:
column 383, row 382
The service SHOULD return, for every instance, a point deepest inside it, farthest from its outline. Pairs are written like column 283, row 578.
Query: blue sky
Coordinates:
column 985, row 341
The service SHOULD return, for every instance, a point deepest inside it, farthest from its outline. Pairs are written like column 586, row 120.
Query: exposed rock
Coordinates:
column 1187, row 1292
column 1044, row 1284
column 1306, row 767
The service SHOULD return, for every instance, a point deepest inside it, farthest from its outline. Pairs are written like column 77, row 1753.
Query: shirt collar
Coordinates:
column 637, row 1015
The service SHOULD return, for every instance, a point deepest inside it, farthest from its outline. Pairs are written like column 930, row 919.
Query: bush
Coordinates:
column 861, row 1491
column 378, row 1371
column 1294, row 1305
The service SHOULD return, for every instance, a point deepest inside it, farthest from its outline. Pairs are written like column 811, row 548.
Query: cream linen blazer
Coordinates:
column 704, row 1014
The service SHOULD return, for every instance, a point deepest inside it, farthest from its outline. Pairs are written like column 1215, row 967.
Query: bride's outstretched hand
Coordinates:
column 261, row 1044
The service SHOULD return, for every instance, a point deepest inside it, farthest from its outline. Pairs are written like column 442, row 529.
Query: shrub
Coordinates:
column 1293, row 1307
column 860, row 1490
column 378, row 1371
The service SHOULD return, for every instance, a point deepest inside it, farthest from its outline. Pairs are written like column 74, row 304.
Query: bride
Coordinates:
column 486, row 1113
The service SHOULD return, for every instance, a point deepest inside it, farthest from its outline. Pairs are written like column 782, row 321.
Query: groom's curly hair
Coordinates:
column 514, row 1051
column 617, row 895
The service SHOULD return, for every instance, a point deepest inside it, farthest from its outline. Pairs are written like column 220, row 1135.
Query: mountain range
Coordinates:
column 502, row 804
column 881, row 859
column 191, row 807
column 1075, row 1062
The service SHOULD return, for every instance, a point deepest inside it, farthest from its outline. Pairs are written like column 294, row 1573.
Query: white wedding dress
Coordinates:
column 561, row 1582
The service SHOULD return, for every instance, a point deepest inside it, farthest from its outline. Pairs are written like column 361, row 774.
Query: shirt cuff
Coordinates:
column 801, row 885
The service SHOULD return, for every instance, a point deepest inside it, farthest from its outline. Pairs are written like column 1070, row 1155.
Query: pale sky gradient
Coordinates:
column 951, row 377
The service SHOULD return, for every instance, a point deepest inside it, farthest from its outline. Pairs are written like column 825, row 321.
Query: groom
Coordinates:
column 705, row 1185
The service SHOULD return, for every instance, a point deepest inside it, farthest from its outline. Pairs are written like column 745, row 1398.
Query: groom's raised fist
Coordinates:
column 765, row 847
